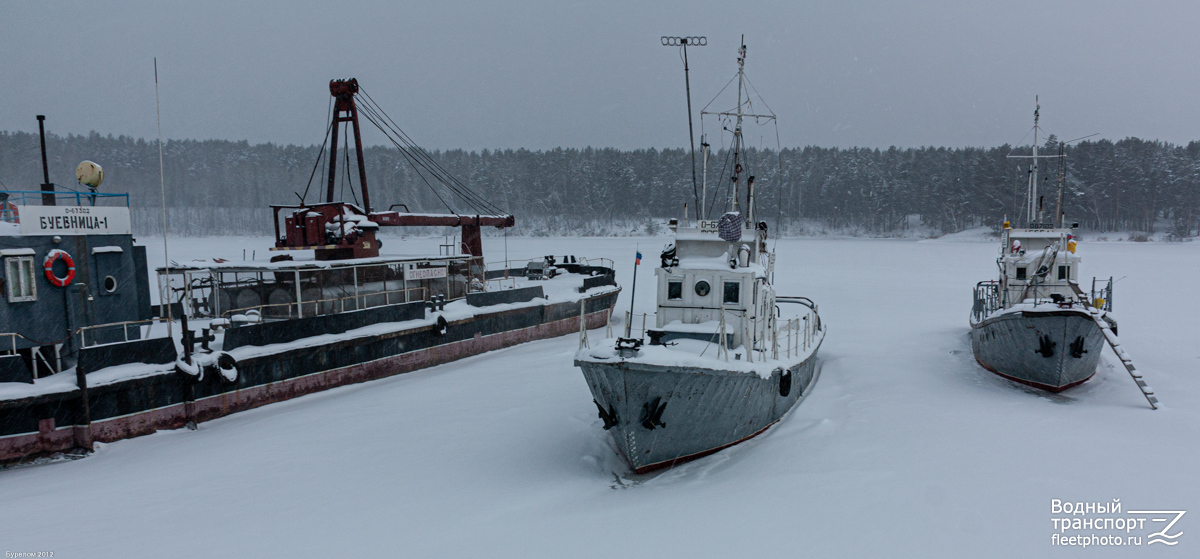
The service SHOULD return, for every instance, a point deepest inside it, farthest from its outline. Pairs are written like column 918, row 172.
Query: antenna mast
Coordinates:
column 1031, row 201
column 737, row 131
column 1033, row 186
column 684, row 42
column 740, row 115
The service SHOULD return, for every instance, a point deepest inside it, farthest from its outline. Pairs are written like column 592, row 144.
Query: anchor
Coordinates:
column 1046, row 346
column 609, row 416
column 652, row 414
column 1077, row 350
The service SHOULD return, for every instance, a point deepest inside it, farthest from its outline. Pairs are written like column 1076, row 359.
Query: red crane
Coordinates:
column 337, row 230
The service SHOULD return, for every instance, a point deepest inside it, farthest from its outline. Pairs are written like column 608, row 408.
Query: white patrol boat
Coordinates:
column 724, row 361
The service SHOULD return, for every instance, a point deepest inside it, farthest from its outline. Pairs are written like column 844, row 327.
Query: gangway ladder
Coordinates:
column 1111, row 338
column 1126, row 360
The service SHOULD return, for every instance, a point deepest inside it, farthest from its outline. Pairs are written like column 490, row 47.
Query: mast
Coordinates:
column 735, row 201
column 703, row 206
column 684, row 42
column 737, row 131
column 1033, row 187
column 1033, row 209
column 1058, row 212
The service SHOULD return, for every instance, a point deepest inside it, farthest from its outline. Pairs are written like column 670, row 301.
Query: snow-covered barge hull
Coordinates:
column 1052, row 349
column 661, row 416
column 59, row 418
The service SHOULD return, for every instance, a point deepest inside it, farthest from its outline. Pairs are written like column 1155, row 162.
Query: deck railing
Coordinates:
column 987, row 299
column 332, row 305
column 96, row 338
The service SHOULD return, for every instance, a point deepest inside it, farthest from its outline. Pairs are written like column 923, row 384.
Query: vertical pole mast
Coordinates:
column 162, row 185
column 1034, row 173
column 1058, row 213
column 704, row 183
column 633, row 292
column 737, row 130
column 691, row 135
column 684, row 42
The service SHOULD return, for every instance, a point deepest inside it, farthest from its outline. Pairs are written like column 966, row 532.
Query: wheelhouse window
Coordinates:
column 1064, row 273
column 1020, row 273
column 20, row 279
column 702, row 288
column 674, row 290
column 732, row 291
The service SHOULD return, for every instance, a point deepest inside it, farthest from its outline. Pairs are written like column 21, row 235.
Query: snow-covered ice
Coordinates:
column 906, row 446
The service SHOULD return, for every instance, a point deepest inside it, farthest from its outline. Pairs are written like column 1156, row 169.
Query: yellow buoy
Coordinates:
column 1098, row 303
column 90, row 174
column 1071, row 247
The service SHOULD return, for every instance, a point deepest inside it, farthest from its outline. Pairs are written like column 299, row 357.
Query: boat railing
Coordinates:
column 1102, row 297
column 987, row 299
column 632, row 319
column 202, row 292
column 35, row 198
column 520, row 263
column 599, row 262
column 797, row 301
column 97, row 338
column 332, row 305
column 798, row 334
column 509, row 282
column 12, row 338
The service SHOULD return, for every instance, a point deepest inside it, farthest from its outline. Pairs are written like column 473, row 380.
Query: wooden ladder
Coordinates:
column 1111, row 338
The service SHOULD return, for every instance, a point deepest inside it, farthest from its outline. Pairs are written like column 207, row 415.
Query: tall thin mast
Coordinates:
column 685, row 42
column 1058, row 212
column 1033, row 212
column 737, row 130
column 1033, row 187
column 735, row 203
column 704, row 183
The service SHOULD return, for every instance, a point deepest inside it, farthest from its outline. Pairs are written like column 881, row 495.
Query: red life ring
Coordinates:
column 49, row 265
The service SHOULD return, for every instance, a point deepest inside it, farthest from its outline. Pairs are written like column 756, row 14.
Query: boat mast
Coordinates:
column 684, row 42
column 735, row 202
column 703, row 206
column 1034, row 169
column 1033, row 209
column 737, row 133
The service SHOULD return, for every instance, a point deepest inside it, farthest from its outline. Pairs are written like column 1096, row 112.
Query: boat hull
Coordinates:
column 699, row 410
column 1052, row 350
column 59, row 421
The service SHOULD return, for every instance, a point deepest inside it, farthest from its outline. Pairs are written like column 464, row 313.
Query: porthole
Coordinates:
column 110, row 284
column 702, row 288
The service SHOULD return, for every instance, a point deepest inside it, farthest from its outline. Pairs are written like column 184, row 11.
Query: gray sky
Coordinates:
column 541, row 74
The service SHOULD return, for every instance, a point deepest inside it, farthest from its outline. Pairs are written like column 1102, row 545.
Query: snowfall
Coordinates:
column 906, row 446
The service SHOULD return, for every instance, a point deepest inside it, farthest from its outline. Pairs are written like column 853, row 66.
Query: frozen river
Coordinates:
column 906, row 446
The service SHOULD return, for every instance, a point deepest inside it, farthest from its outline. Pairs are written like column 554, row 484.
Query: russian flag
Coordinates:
column 638, row 262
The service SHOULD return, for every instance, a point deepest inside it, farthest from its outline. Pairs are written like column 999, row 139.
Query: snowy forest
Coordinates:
column 216, row 187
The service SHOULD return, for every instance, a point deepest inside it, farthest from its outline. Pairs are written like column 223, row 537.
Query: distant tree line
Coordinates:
column 217, row 186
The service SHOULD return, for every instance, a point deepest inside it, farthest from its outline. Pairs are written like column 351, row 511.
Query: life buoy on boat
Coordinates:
column 53, row 257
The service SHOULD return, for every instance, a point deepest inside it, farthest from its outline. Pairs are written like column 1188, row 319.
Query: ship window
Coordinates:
column 1062, row 273
column 702, row 288
column 110, row 284
column 1020, row 273
column 19, row 275
column 732, row 291
column 674, row 290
